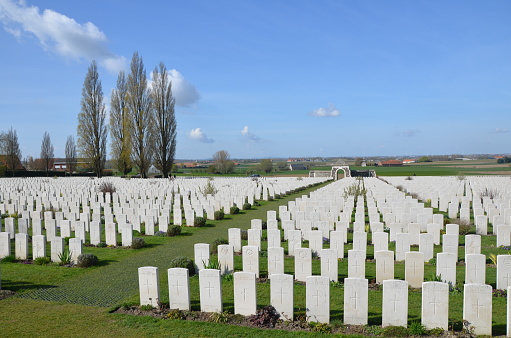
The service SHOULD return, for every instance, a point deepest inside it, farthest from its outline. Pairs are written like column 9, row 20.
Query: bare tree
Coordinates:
column 222, row 162
column 71, row 154
column 47, row 154
column 10, row 147
column 120, row 126
column 92, row 129
column 164, row 120
column 138, row 102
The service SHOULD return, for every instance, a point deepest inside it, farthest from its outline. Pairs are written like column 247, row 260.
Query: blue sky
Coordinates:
column 273, row 78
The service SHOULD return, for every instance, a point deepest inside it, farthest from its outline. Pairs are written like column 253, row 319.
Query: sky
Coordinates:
column 268, row 79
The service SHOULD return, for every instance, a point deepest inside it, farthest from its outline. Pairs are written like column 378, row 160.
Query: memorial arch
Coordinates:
column 345, row 168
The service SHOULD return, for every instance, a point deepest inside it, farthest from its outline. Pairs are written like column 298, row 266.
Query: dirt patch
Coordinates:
column 6, row 294
column 258, row 321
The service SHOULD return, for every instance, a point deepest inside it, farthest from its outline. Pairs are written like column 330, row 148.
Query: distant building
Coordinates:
column 390, row 163
column 297, row 166
column 408, row 161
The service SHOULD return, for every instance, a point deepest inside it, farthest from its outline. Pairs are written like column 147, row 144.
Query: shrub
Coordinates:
column 464, row 228
column 199, row 222
column 173, row 231
column 107, row 187
column 219, row 214
column 175, row 314
column 235, row 210
column 244, row 235
column 87, row 260
column 417, row 329
column 146, row 307
column 322, row 328
column 216, row 243
column 183, row 262
column 247, row 206
column 266, row 317
column 395, row 331
column 8, row 259
column 138, row 243
column 42, row 261
column 160, row 234
column 101, row 245
column 277, row 196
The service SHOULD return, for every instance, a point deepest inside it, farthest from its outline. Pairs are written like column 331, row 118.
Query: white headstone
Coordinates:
column 245, row 295
column 446, row 267
column 477, row 308
column 318, row 299
column 21, row 246
column 149, row 286
column 435, row 305
column 356, row 264
column 329, row 264
column 210, row 286
column 201, row 256
column 235, row 238
column 475, row 269
column 75, row 249
column 281, row 294
column 179, row 289
column 395, row 303
column 384, row 265
column 250, row 255
column 38, row 246
column 303, row 264
column 275, row 261
column 503, row 271
column 355, row 301
column 414, row 268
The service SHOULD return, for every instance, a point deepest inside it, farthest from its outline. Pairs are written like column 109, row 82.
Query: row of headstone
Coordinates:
column 21, row 247
column 477, row 304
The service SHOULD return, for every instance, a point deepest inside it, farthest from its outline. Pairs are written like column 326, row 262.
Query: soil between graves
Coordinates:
column 299, row 324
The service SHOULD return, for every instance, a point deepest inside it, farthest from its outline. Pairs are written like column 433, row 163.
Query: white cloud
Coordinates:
column 500, row 131
column 199, row 135
column 185, row 92
column 59, row 34
column 329, row 111
column 247, row 134
column 407, row 132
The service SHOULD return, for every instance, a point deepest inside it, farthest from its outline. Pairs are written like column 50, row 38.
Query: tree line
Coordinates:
column 142, row 126
column 142, row 120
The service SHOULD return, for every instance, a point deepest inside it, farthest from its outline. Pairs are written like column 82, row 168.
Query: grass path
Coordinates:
column 117, row 282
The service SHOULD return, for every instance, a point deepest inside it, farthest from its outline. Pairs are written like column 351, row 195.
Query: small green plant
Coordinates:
column 175, row 314
column 101, row 245
column 437, row 331
column 137, row 243
column 417, row 329
column 321, row 327
column 65, row 257
column 146, row 307
column 183, row 262
column 395, row 331
column 228, row 277
column 433, row 278
column 219, row 317
column 374, row 330
column 87, row 260
column 247, row 206
column 216, row 243
column 42, row 261
column 212, row 264
column 173, row 231
column 199, row 222
column 219, row 214
column 9, row 259
column 209, row 189
column 244, row 235
column 234, row 210
column 432, row 261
